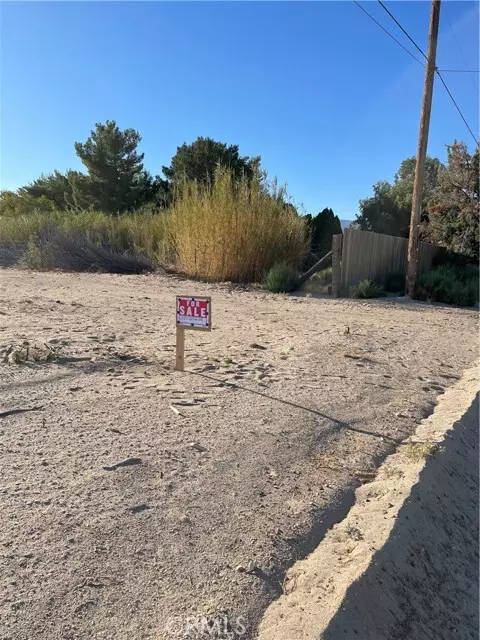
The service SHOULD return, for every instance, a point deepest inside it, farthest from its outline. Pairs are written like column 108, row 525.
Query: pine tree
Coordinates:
column 116, row 179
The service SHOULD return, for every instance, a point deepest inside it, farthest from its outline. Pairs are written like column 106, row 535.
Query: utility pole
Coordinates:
column 422, row 149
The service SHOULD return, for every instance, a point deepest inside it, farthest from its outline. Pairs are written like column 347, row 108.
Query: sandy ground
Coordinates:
column 282, row 414
column 404, row 562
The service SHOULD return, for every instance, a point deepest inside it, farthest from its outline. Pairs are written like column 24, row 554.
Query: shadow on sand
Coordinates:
column 423, row 583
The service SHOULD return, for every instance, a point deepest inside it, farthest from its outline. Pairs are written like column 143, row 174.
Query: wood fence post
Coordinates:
column 180, row 349
column 336, row 264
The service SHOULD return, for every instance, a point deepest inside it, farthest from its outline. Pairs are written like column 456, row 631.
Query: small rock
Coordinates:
column 198, row 447
column 138, row 508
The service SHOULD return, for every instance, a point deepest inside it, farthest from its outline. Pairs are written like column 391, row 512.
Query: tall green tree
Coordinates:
column 198, row 161
column 388, row 210
column 324, row 225
column 116, row 177
column 454, row 209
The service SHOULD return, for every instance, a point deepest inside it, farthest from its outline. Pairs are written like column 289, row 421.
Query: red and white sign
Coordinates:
column 194, row 313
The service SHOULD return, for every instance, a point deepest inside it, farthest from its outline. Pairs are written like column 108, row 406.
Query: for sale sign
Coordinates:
column 194, row 313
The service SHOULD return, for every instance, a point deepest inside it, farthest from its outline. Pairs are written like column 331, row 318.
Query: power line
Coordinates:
column 461, row 51
column 400, row 26
column 388, row 33
column 459, row 71
column 436, row 70
column 456, row 105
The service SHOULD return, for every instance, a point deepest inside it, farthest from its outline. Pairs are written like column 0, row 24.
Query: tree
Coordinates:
column 388, row 210
column 54, row 186
column 198, row 161
column 454, row 207
column 116, row 180
column 324, row 225
column 382, row 214
column 14, row 204
column 156, row 192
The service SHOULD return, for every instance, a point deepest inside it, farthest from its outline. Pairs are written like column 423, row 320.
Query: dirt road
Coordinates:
column 283, row 412
column 404, row 562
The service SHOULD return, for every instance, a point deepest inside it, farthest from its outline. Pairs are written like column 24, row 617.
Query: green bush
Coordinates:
column 452, row 285
column 282, row 278
column 395, row 283
column 323, row 277
column 366, row 289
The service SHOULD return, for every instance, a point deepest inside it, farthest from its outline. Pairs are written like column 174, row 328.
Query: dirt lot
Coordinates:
column 282, row 414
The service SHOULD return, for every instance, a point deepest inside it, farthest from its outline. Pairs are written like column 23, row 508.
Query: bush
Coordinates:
column 282, row 278
column 138, row 233
column 323, row 277
column 395, row 283
column 55, row 249
column 234, row 229
column 11, row 254
column 452, row 285
column 366, row 289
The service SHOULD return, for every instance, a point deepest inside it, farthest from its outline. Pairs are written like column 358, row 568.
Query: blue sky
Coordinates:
column 316, row 88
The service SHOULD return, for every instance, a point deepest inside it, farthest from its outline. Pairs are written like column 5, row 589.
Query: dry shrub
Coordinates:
column 139, row 232
column 10, row 255
column 54, row 249
column 234, row 230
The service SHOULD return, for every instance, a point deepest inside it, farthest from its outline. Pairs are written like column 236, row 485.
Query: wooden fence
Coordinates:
column 374, row 256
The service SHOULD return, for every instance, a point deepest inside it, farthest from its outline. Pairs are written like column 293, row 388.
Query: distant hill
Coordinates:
column 346, row 223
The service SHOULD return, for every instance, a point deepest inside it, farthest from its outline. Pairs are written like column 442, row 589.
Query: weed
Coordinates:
column 323, row 277
column 282, row 278
column 366, row 289
column 26, row 352
column 418, row 451
column 393, row 473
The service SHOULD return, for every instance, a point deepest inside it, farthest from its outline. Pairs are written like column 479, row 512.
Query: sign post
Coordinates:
column 191, row 313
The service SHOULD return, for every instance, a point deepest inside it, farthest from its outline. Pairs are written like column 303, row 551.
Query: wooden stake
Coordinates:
column 422, row 150
column 180, row 350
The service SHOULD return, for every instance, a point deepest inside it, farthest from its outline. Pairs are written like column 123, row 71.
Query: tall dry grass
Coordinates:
column 144, row 233
column 233, row 231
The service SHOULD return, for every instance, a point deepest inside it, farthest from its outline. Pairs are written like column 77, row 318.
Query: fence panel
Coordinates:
column 374, row 256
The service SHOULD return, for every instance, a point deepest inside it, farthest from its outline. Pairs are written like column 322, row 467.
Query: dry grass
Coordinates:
column 234, row 231
column 143, row 233
column 418, row 451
